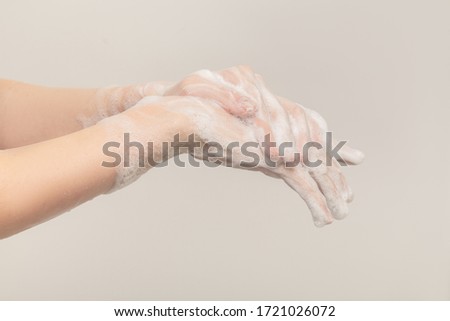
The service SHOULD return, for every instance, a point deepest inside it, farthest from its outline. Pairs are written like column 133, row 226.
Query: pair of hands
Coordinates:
column 234, row 105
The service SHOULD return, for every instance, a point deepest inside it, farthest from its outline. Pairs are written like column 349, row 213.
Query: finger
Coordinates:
column 275, row 114
column 329, row 186
column 232, row 75
column 317, row 126
column 335, row 201
column 326, row 177
column 241, row 103
column 338, row 177
column 217, row 128
column 231, row 101
column 297, row 121
column 243, row 77
column 350, row 155
column 300, row 181
column 210, row 85
column 240, row 75
column 317, row 129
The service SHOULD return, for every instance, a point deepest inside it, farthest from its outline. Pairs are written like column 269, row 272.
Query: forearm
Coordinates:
column 30, row 113
column 42, row 180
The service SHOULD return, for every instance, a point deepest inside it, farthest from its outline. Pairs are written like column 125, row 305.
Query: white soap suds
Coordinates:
column 116, row 126
column 247, row 103
column 110, row 101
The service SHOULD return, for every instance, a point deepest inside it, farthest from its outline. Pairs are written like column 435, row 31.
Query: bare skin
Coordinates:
column 31, row 113
column 52, row 139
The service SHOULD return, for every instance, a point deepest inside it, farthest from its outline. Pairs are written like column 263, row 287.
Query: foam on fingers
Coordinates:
column 339, row 179
column 300, row 181
column 277, row 118
column 333, row 194
column 210, row 85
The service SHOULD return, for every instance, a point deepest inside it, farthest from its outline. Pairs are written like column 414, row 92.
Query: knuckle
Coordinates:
column 245, row 68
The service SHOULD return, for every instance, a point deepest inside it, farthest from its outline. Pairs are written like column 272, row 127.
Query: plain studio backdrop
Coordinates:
column 377, row 71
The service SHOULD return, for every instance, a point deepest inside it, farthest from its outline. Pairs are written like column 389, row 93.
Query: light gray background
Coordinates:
column 377, row 71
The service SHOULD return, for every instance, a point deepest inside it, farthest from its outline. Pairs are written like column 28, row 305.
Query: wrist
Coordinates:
column 110, row 101
column 142, row 137
column 114, row 100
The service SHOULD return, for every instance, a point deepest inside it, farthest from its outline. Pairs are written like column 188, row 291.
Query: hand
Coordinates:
column 243, row 94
